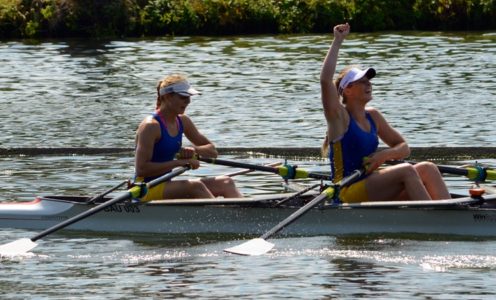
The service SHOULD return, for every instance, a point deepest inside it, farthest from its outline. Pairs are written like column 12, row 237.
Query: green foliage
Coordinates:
column 11, row 19
column 455, row 14
column 376, row 15
column 160, row 17
column 111, row 18
column 328, row 13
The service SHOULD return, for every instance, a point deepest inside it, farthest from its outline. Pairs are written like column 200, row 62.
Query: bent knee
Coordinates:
column 407, row 170
column 426, row 167
column 196, row 184
column 226, row 180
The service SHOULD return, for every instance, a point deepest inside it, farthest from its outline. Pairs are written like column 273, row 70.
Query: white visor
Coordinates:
column 182, row 88
column 353, row 75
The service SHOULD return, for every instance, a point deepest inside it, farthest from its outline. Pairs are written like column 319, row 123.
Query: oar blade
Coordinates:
column 253, row 247
column 19, row 247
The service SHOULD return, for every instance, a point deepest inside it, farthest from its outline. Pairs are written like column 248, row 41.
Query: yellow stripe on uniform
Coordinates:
column 338, row 161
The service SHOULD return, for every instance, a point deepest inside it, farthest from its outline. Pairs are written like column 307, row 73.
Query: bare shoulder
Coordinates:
column 187, row 122
column 185, row 118
column 374, row 113
column 379, row 120
column 371, row 110
column 149, row 125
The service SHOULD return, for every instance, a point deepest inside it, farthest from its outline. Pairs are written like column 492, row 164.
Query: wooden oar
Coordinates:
column 473, row 173
column 259, row 246
column 284, row 171
column 24, row 245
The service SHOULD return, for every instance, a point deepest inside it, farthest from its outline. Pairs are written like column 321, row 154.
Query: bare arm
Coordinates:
column 398, row 147
column 146, row 136
column 202, row 145
column 334, row 111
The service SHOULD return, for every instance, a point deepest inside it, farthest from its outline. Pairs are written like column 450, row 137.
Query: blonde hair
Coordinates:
column 166, row 81
column 324, row 149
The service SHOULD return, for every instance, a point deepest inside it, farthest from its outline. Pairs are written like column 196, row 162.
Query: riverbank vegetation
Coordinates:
column 136, row 18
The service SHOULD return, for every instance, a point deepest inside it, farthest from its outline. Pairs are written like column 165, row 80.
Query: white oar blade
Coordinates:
column 256, row 246
column 19, row 247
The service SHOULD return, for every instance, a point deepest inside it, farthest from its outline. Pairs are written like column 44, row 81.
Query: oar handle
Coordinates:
column 132, row 192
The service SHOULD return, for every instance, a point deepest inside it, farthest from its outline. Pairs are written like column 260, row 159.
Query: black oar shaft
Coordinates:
column 476, row 173
column 299, row 173
column 236, row 164
column 453, row 170
column 100, row 196
column 328, row 193
column 279, row 203
column 81, row 216
column 100, row 207
column 294, row 216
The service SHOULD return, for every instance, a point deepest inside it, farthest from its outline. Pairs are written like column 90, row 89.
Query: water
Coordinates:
column 435, row 88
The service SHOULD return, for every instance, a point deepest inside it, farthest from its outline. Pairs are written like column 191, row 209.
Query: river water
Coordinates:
column 437, row 89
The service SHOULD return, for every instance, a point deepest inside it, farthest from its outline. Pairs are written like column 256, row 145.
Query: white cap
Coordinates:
column 182, row 88
column 353, row 75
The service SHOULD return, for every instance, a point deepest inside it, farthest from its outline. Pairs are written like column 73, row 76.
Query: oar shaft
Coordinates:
column 326, row 194
column 452, row 170
column 98, row 197
column 81, row 216
column 282, row 171
column 246, row 171
column 473, row 173
column 236, row 164
column 127, row 195
column 294, row 216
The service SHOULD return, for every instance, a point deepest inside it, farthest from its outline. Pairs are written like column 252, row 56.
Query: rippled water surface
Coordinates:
column 438, row 89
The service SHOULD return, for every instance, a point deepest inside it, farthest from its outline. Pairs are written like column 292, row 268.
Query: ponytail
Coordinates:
column 157, row 104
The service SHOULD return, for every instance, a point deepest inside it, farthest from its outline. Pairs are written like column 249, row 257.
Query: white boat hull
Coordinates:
column 243, row 217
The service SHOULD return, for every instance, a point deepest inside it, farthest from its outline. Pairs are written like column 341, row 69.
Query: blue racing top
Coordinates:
column 347, row 153
column 168, row 146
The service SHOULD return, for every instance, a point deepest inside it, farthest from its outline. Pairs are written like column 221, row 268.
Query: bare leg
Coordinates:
column 186, row 189
column 394, row 182
column 222, row 186
column 433, row 180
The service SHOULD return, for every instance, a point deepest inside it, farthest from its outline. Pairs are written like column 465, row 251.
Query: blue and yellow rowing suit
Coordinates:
column 346, row 155
column 164, row 150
